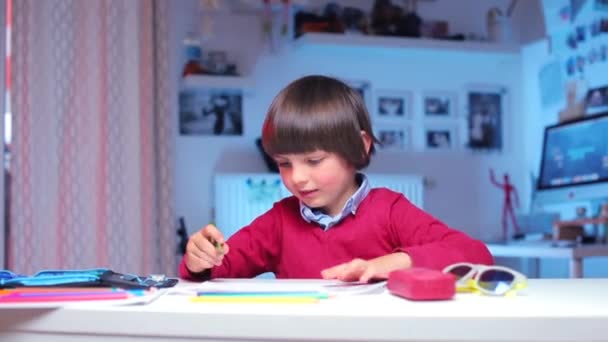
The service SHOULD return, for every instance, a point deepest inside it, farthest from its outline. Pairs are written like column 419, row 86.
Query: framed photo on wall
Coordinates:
column 440, row 137
column 393, row 105
column 211, row 111
column 364, row 89
column 486, row 107
column 439, row 104
column 393, row 138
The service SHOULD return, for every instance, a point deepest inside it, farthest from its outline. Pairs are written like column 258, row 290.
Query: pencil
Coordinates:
column 219, row 247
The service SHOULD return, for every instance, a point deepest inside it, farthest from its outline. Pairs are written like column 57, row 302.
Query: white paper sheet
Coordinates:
column 331, row 287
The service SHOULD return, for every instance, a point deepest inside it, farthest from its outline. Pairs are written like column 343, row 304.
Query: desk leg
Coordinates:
column 535, row 267
column 576, row 268
column 530, row 267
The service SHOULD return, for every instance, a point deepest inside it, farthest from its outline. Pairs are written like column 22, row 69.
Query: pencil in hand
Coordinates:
column 219, row 247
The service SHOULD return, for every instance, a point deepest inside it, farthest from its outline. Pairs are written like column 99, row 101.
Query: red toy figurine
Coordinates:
column 507, row 209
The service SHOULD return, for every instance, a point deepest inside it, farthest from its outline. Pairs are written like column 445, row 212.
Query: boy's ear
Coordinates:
column 367, row 141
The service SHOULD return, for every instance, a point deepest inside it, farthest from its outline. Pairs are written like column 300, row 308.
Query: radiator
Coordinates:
column 240, row 198
column 411, row 186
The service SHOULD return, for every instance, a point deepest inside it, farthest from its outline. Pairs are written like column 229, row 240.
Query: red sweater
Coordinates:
column 282, row 242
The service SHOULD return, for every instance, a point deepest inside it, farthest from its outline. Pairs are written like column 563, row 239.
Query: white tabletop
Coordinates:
column 548, row 310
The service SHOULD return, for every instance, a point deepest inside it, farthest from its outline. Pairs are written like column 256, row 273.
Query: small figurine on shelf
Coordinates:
column 509, row 192
column 391, row 20
column 192, row 55
column 354, row 21
column 498, row 24
column 218, row 63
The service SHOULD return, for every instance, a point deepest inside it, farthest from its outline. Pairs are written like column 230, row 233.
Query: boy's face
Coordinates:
column 320, row 179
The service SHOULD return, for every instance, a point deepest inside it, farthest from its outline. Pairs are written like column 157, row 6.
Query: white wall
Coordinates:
column 462, row 194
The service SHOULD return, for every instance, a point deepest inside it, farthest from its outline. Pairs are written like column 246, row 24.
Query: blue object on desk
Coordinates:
column 98, row 277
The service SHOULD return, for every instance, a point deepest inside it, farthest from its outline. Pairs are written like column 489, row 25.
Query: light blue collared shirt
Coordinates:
column 350, row 207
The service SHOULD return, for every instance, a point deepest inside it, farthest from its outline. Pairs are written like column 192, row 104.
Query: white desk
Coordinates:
column 548, row 310
column 542, row 249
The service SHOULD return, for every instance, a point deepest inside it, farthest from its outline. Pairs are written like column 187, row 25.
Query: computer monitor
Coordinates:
column 574, row 162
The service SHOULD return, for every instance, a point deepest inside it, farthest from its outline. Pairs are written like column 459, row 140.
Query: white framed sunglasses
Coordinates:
column 490, row 280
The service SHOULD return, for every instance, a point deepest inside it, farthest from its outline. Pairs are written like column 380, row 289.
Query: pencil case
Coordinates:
column 421, row 284
column 97, row 277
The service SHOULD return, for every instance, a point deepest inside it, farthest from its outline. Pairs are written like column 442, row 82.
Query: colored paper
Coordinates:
column 29, row 295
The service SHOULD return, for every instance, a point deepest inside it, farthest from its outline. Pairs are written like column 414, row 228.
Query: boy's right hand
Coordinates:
column 201, row 250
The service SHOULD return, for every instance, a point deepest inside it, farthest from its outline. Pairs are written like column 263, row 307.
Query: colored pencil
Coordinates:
column 58, row 289
column 66, row 298
column 77, row 293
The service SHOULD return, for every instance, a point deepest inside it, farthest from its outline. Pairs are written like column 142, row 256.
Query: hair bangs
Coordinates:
column 307, row 127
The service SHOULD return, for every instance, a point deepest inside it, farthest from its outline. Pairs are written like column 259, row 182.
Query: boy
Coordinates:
column 334, row 226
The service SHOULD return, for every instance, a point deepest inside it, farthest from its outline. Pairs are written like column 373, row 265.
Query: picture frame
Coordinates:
column 393, row 105
column 596, row 100
column 440, row 137
column 211, row 111
column 217, row 62
column 364, row 89
column 393, row 138
column 439, row 104
column 486, row 106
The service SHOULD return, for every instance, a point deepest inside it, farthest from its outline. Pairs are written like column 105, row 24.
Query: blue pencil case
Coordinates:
column 96, row 277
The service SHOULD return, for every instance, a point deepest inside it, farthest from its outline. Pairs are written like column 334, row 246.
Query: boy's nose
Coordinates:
column 299, row 175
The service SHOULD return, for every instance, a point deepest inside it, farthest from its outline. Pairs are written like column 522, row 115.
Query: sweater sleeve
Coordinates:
column 429, row 242
column 254, row 250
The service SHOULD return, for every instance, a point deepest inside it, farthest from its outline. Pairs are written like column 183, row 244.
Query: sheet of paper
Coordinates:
column 332, row 287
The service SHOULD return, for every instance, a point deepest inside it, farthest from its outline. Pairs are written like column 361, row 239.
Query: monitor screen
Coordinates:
column 575, row 159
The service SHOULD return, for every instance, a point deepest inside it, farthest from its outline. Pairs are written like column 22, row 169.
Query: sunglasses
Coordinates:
column 490, row 280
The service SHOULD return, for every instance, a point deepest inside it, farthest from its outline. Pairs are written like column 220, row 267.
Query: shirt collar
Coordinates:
column 350, row 207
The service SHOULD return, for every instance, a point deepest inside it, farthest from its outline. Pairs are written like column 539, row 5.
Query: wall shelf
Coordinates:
column 363, row 41
column 216, row 81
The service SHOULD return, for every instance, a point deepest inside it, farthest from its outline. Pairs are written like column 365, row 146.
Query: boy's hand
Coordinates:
column 364, row 270
column 205, row 249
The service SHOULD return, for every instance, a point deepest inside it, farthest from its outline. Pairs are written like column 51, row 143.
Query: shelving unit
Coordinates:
column 363, row 41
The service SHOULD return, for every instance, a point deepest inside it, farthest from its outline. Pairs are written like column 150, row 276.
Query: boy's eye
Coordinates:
column 314, row 161
column 283, row 164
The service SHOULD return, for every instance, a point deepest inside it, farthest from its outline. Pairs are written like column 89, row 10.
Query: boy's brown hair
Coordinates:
column 318, row 113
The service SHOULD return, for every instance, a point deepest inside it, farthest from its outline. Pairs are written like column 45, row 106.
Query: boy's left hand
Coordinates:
column 364, row 270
